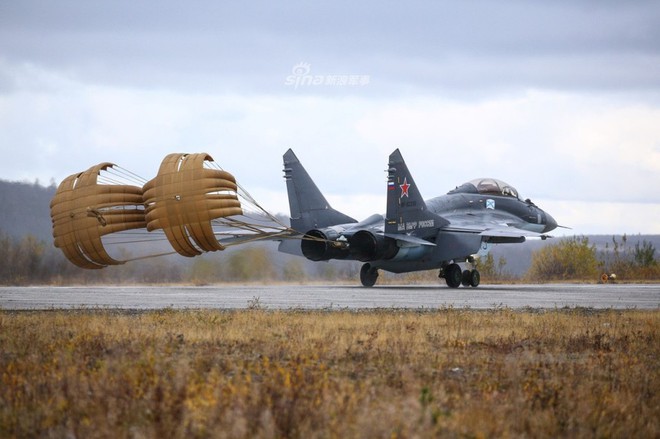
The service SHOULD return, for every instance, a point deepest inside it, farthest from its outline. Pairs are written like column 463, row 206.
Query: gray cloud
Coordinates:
column 525, row 91
column 419, row 46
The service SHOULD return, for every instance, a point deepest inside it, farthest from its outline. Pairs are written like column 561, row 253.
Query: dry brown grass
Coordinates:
column 387, row 373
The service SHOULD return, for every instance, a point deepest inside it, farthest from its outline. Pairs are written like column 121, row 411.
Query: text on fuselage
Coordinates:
column 413, row 225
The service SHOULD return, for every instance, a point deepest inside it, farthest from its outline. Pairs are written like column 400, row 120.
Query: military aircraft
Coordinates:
column 414, row 234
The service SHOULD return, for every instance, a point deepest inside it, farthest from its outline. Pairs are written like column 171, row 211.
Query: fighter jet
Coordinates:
column 415, row 234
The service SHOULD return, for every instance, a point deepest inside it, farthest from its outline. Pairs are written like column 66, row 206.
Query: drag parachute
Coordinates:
column 82, row 211
column 192, row 206
column 185, row 197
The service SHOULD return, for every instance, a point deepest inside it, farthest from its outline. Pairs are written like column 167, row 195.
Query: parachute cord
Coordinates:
column 245, row 195
column 255, row 238
column 258, row 229
column 116, row 175
column 127, row 172
column 150, row 256
column 133, row 241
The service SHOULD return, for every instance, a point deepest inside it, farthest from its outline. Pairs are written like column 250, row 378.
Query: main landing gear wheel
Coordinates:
column 368, row 275
column 453, row 275
column 465, row 279
column 471, row 278
column 475, row 278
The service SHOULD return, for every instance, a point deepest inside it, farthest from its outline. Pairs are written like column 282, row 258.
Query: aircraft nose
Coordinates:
column 550, row 223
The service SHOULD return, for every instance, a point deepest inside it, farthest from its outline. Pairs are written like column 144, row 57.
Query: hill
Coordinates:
column 25, row 209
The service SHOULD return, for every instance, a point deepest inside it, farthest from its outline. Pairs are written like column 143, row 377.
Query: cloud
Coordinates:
column 558, row 145
column 560, row 99
column 549, row 145
column 448, row 47
column 603, row 218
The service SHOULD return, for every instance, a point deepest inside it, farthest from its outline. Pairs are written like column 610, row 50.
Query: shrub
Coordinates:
column 571, row 259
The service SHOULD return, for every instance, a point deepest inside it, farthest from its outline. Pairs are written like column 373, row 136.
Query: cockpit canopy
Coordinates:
column 487, row 186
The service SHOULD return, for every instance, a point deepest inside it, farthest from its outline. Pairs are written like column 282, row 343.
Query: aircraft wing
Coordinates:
column 500, row 229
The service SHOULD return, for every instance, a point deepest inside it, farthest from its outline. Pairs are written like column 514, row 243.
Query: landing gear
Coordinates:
column 465, row 281
column 475, row 278
column 368, row 275
column 471, row 278
column 455, row 277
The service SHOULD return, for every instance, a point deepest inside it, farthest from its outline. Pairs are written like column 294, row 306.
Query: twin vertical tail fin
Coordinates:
column 406, row 209
column 309, row 208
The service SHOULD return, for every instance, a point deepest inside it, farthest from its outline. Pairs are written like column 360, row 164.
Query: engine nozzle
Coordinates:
column 366, row 246
column 322, row 245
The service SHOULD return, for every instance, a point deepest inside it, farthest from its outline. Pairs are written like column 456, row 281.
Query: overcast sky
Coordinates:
column 560, row 99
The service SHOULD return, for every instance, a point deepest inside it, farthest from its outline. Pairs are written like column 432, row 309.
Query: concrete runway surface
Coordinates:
column 617, row 296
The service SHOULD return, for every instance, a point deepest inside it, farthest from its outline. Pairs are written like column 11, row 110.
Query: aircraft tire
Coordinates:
column 466, row 278
column 368, row 275
column 453, row 276
column 475, row 278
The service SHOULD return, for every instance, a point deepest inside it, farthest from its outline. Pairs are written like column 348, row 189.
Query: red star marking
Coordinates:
column 404, row 188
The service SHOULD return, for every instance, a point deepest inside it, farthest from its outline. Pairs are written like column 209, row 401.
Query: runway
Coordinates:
column 332, row 297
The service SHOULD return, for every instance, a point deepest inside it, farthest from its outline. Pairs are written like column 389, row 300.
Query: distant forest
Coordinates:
column 28, row 257
column 25, row 209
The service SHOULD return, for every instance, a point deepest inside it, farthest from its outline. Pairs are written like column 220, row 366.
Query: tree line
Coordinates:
column 30, row 261
column 576, row 259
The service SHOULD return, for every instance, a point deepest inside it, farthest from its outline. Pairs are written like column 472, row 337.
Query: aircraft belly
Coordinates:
column 407, row 266
column 449, row 246
column 455, row 245
column 412, row 253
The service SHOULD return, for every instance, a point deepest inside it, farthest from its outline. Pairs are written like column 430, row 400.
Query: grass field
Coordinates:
column 385, row 373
